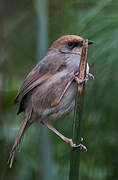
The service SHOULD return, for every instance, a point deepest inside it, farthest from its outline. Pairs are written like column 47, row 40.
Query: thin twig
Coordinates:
column 78, row 111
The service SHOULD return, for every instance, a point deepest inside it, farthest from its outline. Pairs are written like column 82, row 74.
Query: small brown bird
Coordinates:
column 49, row 90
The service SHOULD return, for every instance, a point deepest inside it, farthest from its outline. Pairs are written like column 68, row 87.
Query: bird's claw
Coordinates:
column 81, row 146
column 89, row 75
column 79, row 81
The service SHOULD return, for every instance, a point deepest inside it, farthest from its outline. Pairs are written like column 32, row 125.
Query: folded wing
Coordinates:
column 48, row 66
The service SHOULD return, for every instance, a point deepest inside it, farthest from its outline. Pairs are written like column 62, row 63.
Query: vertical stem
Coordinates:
column 78, row 112
column 42, row 44
column 42, row 26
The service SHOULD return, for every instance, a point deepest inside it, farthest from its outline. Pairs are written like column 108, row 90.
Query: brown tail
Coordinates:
column 25, row 124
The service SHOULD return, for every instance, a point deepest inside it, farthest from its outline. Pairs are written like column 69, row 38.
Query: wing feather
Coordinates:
column 48, row 66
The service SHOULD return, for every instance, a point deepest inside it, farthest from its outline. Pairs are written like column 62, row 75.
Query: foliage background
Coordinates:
column 92, row 19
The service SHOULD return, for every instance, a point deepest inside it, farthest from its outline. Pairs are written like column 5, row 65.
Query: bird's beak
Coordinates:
column 90, row 42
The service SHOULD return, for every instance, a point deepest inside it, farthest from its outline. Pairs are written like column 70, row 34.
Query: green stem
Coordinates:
column 78, row 112
column 75, row 152
column 46, row 161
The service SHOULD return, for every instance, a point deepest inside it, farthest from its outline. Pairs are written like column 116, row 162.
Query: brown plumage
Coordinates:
column 48, row 92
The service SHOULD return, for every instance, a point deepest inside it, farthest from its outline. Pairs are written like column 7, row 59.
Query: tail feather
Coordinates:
column 25, row 124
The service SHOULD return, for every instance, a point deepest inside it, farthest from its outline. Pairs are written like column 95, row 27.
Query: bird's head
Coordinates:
column 69, row 44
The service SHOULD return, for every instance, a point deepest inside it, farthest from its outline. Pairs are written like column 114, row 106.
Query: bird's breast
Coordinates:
column 72, row 62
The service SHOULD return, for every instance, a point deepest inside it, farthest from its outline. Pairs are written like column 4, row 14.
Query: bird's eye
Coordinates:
column 70, row 44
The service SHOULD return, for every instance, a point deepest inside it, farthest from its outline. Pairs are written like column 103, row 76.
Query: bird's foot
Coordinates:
column 67, row 140
column 80, row 81
column 89, row 75
column 81, row 146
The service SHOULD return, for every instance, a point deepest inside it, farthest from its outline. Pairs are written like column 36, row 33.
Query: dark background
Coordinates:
column 43, row 153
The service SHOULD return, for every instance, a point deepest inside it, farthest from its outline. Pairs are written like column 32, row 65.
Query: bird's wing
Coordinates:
column 48, row 66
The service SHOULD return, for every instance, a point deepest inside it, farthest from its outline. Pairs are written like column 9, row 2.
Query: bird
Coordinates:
column 49, row 90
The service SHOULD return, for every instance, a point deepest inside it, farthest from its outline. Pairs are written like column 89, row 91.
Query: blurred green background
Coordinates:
column 27, row 28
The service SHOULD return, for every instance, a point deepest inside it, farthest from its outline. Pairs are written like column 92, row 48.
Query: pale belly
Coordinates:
column 65, row 106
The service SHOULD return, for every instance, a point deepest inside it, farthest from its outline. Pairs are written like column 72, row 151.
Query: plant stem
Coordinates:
column 45, row 158
column 78, row 112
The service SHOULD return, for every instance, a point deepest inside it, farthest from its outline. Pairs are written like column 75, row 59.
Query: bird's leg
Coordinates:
column 67, row 140
column 75, row 77
column 56, row 101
